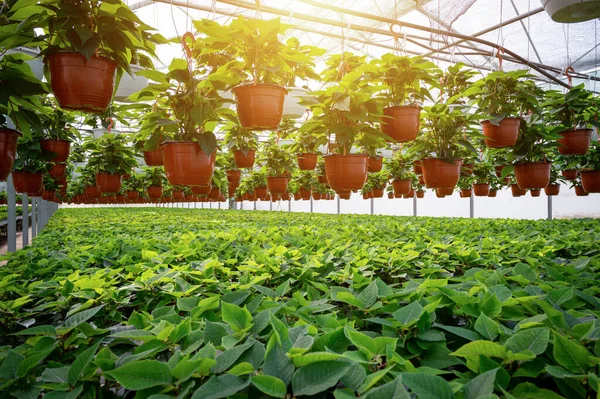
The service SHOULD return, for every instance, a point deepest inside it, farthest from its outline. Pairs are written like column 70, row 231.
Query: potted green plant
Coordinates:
column 503, row 98
column 306, row 146
column 305, row 180
column 150, row 135
column 133, row 186
column 378, row 182
column 399, row 170
column 465, row 185
column 243, row 143
column 279, row 164
column 553, row 187
column 86, row 46
column 30, row 166
column 575, row 112
column 590, row 173
column 59, row 132
column 484, row 175
column 111, row 157
column 226, row 161
column 405, row 83
column 154, row 179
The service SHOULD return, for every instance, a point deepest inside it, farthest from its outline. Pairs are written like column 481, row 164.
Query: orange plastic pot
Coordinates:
column 154, row 192
column 375, row 164
column 92, row 192
column 466, row 193
column 570, row 174
column 439, row 194
column 244, row 159
column 420, row 194
column 481, row 190
column 316, row 196
column 533, row 175
column 445, row 191
column 322, row 179
column 505, row 135
column 517, row 191
column 575, row 142
column 493, row 193
column 307, row 161
column 346, row 172
column 178, row 195
column 186, row 164
column 286, row 197
column 401, row 123
column 81, row 84
column 552, row 190
column 377, row 192
column 261, row 193
column 305, row 193
column 153, row 157
column 57, row 171
column 108, row 183
column 345, row 195
column 188, row 197
column 535, row 192
column 121, row 197
column 410, row 194
column 201, row 190
column 418, row 167
column 132, row 195
column 233, row 176
column 8, row 149
column 590, row 180
column 580, row 191
column 439, row 173
column 214, row 194
column 402, row 186
column 48, row 195
column 58, row 149
column 260, row 106
column 278, row 184
column 28, row 183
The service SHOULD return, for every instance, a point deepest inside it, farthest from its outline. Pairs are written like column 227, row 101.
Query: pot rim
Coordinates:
column 60, row 53
column 58, row 140
column 346, row 155
column 577, row 131
column 10, row 131
column 533, row 163
column 282, row 88
column 414, row 105
column 502, row 120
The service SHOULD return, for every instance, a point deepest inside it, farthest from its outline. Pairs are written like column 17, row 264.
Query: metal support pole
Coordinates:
column 25, row 220
column 472, row 206
column 219, row 204
column 289, row 205
column 311, row 205
column 34, row 209
column 12, row 215
column 338, row 204
column 270, row 205
column 415, row 204
column 372, row 206
column 550, row 207
column 254, row 205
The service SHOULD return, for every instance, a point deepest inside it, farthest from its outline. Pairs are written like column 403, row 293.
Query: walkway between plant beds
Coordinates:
column 4, row 248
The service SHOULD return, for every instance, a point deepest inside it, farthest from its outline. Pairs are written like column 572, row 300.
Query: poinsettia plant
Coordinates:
column 277, row 159
column 577, row 108
column 111, row 153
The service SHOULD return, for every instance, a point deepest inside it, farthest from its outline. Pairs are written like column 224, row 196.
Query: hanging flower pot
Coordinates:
column 201, row 190
column 420, row 194
column 307, row 161
column 493, row 193
column 244, row 159
column 402, row 186
column 120, row 197
column 445, row 191
column 466, row 169
column 410, row 194
column 439, row 194
column 377, row 192
column 322, row 179
column 153, row 157
column 186, row 164
column 498, row 170
column 501, row 136
column 57, row 171
column 277, row 184
column 580, row 191
column 401, row 123
column 305, row 193
column 133, row 195
column 421, row 180
column 154, row 192
column 466, row 193
column 108, row 183
column 92, row 192
column 552, row 190
column 590, row 180
column 345, row 195
column 418, row 167
column 261, row 193
column 390, row 195
column 517, row 191
column 575, row 142
column 533, row 175
column 481, row 190
column 8, row 148
column 59, row 149
column 535, row 192
column 233, row 177
column 81, row 84
column 28, row 183
column 260, row 106
column 570, row 174
column 286, row 197
column 439, row 173
column 570, row 11
column 375, row 164
column 346, row 172
column 48, row 195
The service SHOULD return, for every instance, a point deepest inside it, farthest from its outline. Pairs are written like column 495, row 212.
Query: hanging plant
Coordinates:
column 111, row 157
column 30, row 165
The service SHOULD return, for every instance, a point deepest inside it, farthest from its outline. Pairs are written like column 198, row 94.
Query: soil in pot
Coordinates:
column 505, row 135
column 590, row 180
column 402, row 186
column 570, row 174
column 346, row 172
column 439, row 173
column 186, row 164
column 57, row 149
column 533, row 175
column 307, row 161
column 108, row 183
column 580, row 191
column 575, row 142
column 244, row 159
column 517, row 191
column 81, row 84
column 260, row 106
column 401, row 123
column 481, row 190
column 375, row 164
column 57, row 171
column 153, row 157
column 535, row 192
column 8, row 150
column 277, row 184
column 552, row 190
column 28, row 183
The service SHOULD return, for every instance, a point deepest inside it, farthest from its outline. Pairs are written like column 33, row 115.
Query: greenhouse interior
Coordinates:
column 379, row 199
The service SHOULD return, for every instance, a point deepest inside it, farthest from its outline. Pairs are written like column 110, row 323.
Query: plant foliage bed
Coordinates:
column 167, row 303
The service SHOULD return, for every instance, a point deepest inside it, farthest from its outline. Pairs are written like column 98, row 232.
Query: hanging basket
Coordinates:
column 590, row 180
column 502, row 136
column 552, row 190
column 375, row 164
column 402, row 186
column 533, row 175
column 401, row 123
column 153, row 157
column 278, row 184
column 535, row 192
column 493, row 193
column 439, row 173
column 201, row 190
column 28, row 183
column 260, row 106
column 307, row 161
column 155, row 192
column 517, row 191
column 233, row 177
column 466, row 193
column 133, row 195
column 575, row 142
column 108, row 183
column 571, row 11
column 59, row 149
column 92, row 192
column 186, row 164
column 244, row 160
column 580, row 191
column 346, row 172
column 8, row 150
column 481, row 190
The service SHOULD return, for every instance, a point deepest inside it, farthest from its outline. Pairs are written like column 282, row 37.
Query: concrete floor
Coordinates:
column 4, row 247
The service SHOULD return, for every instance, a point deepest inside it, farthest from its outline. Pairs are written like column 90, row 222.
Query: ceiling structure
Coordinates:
column 475, row 32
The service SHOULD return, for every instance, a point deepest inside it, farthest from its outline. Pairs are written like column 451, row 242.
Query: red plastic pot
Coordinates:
column 92, row 192
column 259, row 106
column 466, row 193
column 121, row 197
column 58, row 149
column 535, row 192
column 307, row 161
column 178, row 195
column 401, row 123
column 305, row 193
column 278, row 184
column 375, row 164
column 418, row 167
column 81, row 84
column 57, row 171
column 575, row 142
column 133, row 195
column 322, row 179
column 153, row 157
column 108, row 183
column 402, row 186
column 493, row 193
column 346, row 172
column 533, row 175
column 261, row 193
column 580, row 191
column 505, row 135
column 214, row 194
column 244, row 159
column 48, row 195
column 8, row 150
column 517, row 191
column 570, row 174
column 28, row 183
column 233, row 176
column 445, row 191
column 439, row 173
column 201, row 190
column 590, row 180
column 481, row 190
column 345, row 195
column 466, row 169
column 420, row 194
column 377, row 192
column 154, row 192
column 186, row 164
column 552, row 190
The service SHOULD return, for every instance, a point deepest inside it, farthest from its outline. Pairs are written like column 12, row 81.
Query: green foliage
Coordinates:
column 110, row 153
column 30, row 157
column 592, row 158
column 577, row 108
column 153, row 176
column 277, row 159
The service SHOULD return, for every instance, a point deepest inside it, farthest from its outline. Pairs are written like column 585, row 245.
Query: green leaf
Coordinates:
column 532, row 339
column 221, row 387
column 278, row 364
column 82, row 362
column 318, row 377
column 38, row 330
column 368, row 296
column 481, row 386
column 269, row 385
column 81, row 317
column 391, row 390
column 409, row 314
column 427, row 386
column 363, row 342
column 487, row 327
column 571, row 355
column 10, row 365
column 142, row 374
